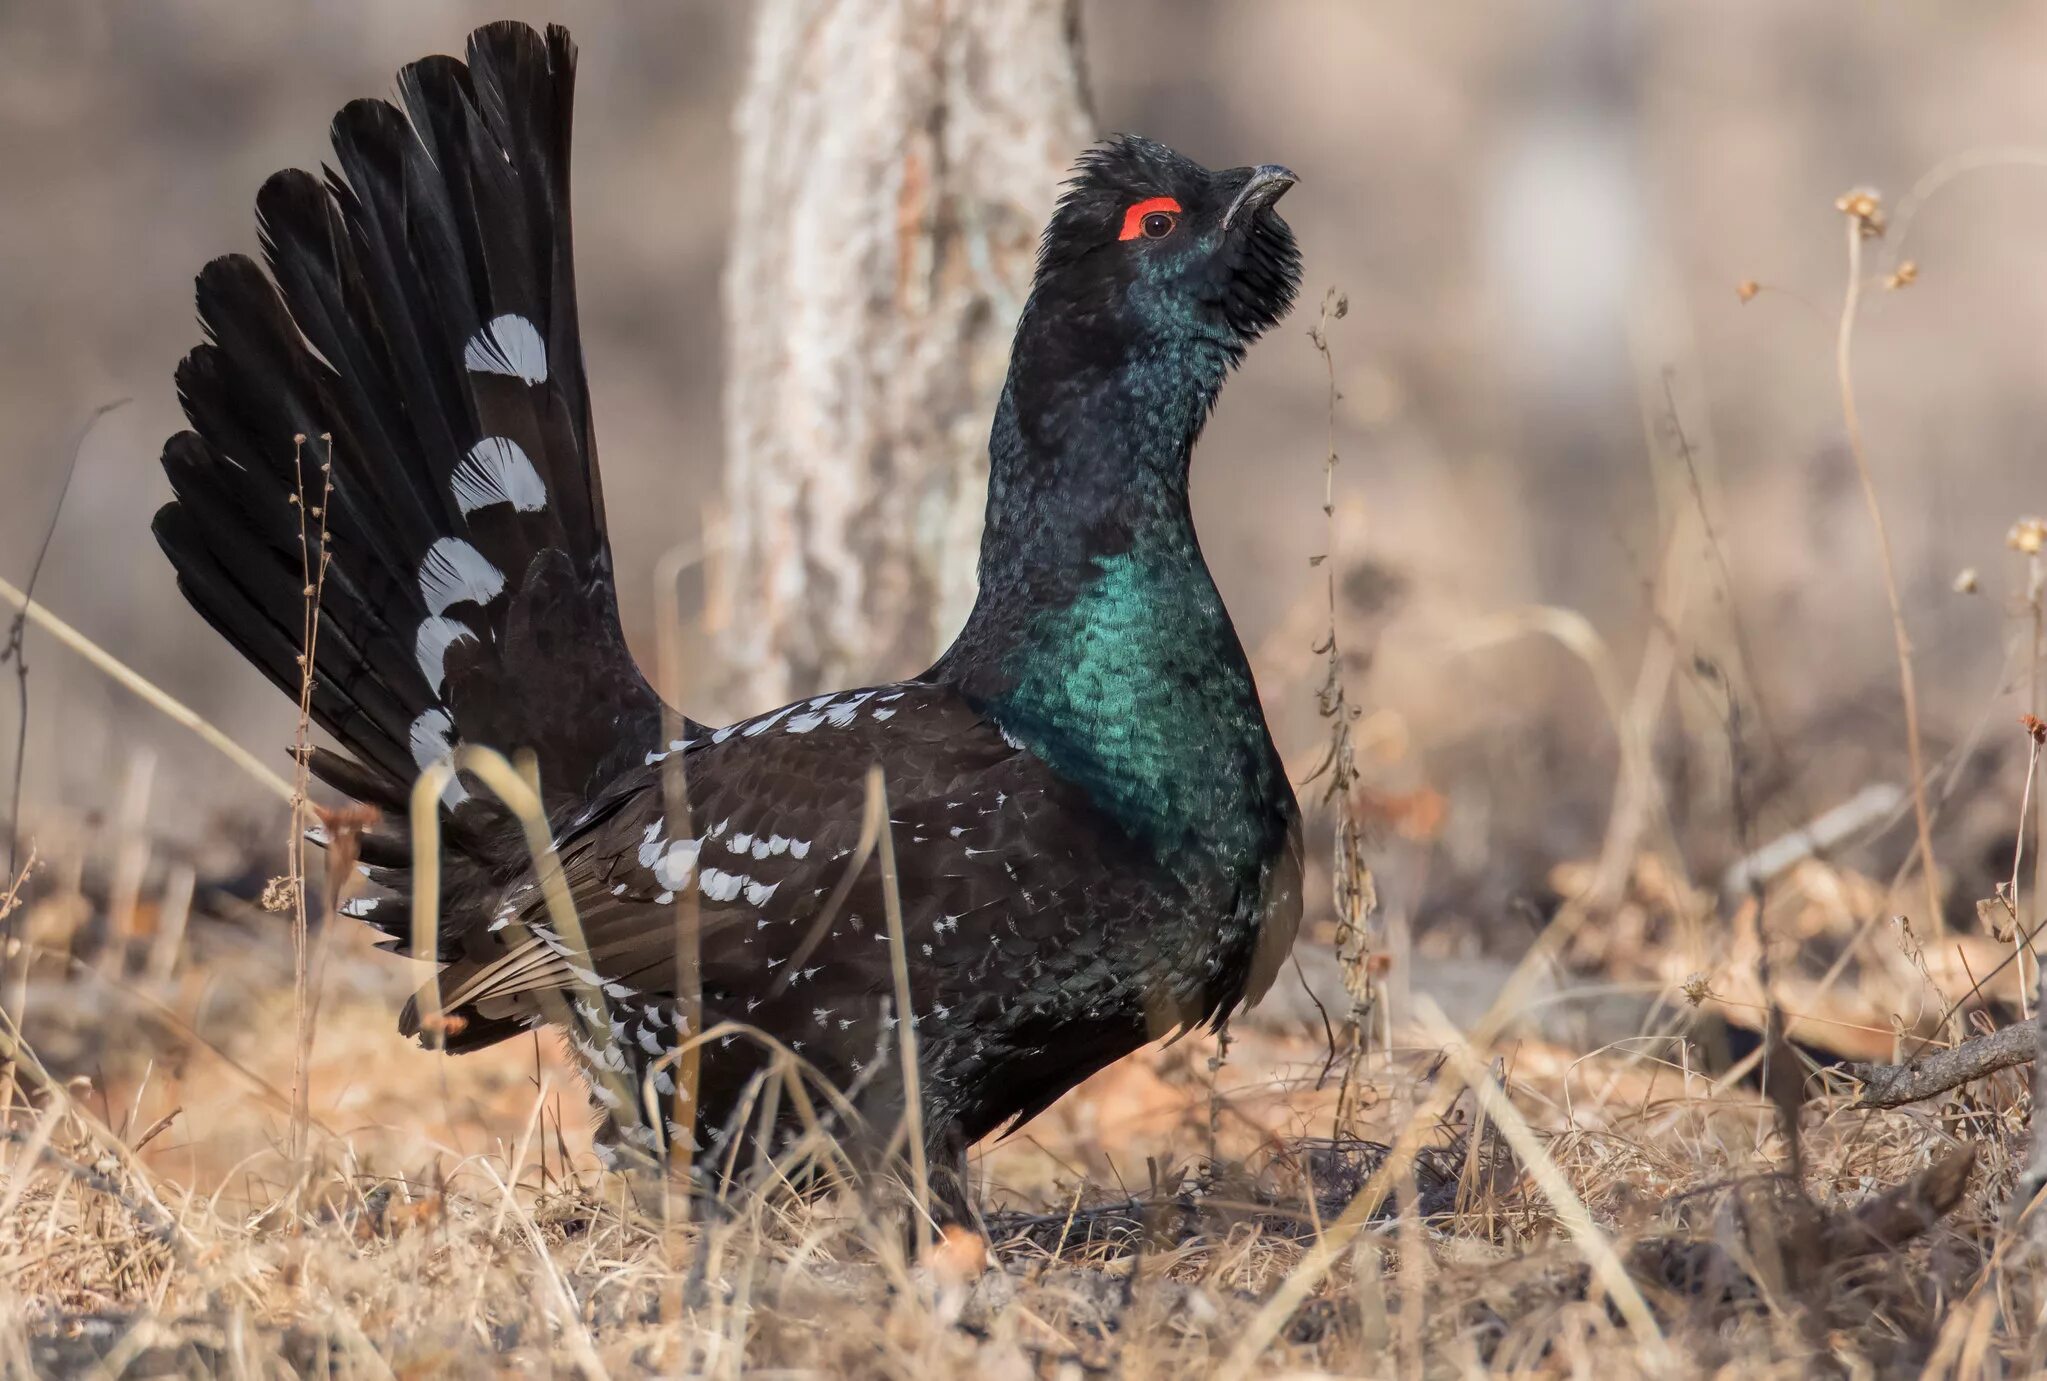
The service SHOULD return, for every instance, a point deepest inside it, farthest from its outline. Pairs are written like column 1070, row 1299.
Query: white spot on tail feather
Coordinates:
column 453, row 571
column 498, row 470
column 431, row 739
column 511, row 345
column 430, row 648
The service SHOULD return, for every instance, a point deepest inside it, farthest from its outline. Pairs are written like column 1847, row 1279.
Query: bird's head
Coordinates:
column 1150, row 249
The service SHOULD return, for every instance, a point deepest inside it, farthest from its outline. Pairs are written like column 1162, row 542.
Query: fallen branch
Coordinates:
column 1898, row 1215
column 1891, row 1086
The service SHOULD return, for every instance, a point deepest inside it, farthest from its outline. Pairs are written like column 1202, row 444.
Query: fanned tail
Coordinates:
column 420, row 311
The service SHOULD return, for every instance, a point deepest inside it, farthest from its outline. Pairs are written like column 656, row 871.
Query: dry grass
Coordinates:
column 449, row 1219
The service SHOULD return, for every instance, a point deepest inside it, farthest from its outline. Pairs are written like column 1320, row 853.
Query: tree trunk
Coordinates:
column 897, row 159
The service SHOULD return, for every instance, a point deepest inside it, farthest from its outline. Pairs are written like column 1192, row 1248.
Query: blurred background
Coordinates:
column 1555, row 394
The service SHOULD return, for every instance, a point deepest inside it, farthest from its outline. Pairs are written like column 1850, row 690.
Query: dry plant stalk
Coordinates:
column 147, row 691
column 1865, row 219
column 2028, row 537
column 314, row 558
column 689, row 993
column 1354, row 898
column 906, row 1014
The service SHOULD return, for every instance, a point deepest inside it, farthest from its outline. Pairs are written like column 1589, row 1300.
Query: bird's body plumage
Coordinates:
column 1094, row 838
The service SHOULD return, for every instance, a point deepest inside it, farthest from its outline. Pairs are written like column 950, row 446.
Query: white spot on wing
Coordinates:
column 508, row 345
column 842, row 715
column 719, row 885
column 453, row 571
column 675, row 866
column 804, row 723
column 757, row 893
column 765, row 723
column 498, row 470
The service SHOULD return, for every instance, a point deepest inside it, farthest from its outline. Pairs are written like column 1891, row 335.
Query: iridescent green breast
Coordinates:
column 1138, row 691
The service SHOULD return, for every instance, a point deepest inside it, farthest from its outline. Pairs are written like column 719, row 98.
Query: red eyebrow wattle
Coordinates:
column 1133, row 219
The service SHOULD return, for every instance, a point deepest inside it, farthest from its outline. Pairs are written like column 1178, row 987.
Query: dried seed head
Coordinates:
column 1994, row 915
column 1695, row 989
column 2035, row 726
column 1965, row 581
column 2027, row 535
column 1903, row 276
column 1865, row 207
column 279, row 894
column 1747, row 289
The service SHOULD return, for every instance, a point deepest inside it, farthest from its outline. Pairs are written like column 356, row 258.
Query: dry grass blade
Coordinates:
column 1272, row 1317
column 906, row 1012
column 1570, row 1209
column 147, row 691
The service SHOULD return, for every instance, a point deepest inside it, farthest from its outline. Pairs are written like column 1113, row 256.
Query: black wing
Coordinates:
column 1044, row 941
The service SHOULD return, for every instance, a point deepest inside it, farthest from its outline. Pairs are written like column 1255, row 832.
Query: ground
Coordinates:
column 1628, row 1205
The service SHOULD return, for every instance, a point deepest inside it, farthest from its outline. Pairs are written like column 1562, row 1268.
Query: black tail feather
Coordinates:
column 420, row 337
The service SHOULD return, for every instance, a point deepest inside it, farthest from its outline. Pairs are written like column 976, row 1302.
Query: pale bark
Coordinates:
column 897, row 159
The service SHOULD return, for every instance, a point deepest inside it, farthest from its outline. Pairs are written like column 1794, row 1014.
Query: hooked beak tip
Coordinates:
column 1267, row 184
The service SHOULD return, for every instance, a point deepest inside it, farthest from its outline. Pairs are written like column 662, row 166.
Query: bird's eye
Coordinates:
column 1153, row 218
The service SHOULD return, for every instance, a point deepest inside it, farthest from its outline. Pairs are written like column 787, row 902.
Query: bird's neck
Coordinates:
column 1089, row 455
column 1098, row 639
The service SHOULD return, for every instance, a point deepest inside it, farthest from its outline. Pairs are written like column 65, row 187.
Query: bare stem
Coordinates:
column 2036, row 586
column 2018, row 854
column 689, row 1007
column 1907, row 686
column 313, row 563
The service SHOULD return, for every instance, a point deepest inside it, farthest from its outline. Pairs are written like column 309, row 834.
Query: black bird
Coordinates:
column 1096, row 842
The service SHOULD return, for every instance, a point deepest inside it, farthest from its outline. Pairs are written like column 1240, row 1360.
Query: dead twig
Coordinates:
column 1893, row 1086
column 17, row 628
column 1898, row 1215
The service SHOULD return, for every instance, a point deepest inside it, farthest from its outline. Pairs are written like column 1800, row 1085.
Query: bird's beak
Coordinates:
column 1267, row 183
